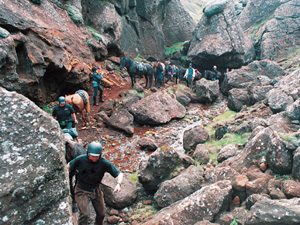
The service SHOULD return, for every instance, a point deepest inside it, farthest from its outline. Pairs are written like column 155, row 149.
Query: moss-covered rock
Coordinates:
column 3, row 33
column 74, row 13
column 215, row 7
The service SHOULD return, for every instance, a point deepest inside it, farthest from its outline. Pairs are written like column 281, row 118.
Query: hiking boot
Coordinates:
column 74, row 208
column 94, row 101
column 101, row 100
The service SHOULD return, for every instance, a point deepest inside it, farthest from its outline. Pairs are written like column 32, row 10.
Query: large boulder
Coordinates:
column 173, row 33
column 122, row 120
column 275, row 212
column 290, row 84
column 218, row 37
column 213, row 175
column 34, row 182
column 179, row 187
column 237, row 98
column 227, row 152
column 207, row 91
column 160, row 166
column 242, row 78
column 126, row 197
column 278, row 158
column 158, row 108
column 193, row 137
column 280, row 31
column 254, row 152
column 257, row 11
column 258, row 93
column 296, row 164
column 203, row 204
column 277, row 100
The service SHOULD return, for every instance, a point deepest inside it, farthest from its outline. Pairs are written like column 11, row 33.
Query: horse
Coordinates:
column 140, row 69
column 80, row 101
column 210, row 75
column 73, row 149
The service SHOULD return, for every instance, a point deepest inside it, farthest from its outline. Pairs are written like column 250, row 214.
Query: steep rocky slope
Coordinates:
column 48, row 47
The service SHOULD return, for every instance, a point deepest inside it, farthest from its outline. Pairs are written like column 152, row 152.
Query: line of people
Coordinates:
column 90, row 167
column 168, row 71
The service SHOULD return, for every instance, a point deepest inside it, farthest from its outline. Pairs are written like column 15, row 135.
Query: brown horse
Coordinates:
column 80, row 101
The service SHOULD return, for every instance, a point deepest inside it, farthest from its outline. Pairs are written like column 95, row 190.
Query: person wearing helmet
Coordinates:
column 96, row 85
column 189, row 75
column 91, row 169
column 64, row 114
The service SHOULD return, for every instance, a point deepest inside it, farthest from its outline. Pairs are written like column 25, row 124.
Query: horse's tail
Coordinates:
column 87, row 106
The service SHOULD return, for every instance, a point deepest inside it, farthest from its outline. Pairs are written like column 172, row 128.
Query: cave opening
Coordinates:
column 114, row 50
column 53, row 82
column 24, row 67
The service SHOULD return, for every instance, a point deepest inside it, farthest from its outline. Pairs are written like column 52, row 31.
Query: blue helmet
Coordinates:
column 94, row 149
column 191, row 64
column 61, row 99
column 94, row 69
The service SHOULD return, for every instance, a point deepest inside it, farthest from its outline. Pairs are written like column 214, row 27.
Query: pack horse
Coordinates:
column 135, row 68
column 80, row 102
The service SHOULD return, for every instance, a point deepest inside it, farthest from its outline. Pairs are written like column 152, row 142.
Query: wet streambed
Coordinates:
column 125, row 153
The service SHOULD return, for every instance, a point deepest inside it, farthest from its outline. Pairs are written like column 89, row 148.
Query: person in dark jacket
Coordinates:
column 159, row 74
column 96, row 85
column 216, row 73
column 170, row 73
column 91, row 168
column 64, row 114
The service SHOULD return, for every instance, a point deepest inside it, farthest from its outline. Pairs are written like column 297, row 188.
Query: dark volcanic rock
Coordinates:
column 158, row 108
column 160, row 165
column 218, row 38
column 205, row 203
column 256, row 11
column 34, row 187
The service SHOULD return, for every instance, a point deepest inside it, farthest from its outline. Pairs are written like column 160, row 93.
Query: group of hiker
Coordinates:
column 164, row 72
column 90, row 167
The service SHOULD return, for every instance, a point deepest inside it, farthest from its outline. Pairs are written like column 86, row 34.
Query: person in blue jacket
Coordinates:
column 190, row 75
column 96, row 85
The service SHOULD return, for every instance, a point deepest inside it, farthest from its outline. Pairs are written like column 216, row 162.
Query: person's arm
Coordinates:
column 186, row 73
column 99, row 77
column 71, row 166
column 193, row 74
column 119, row 181
column 74, row 117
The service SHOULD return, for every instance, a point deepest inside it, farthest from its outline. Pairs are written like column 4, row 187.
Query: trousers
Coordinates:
column 82, row 198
